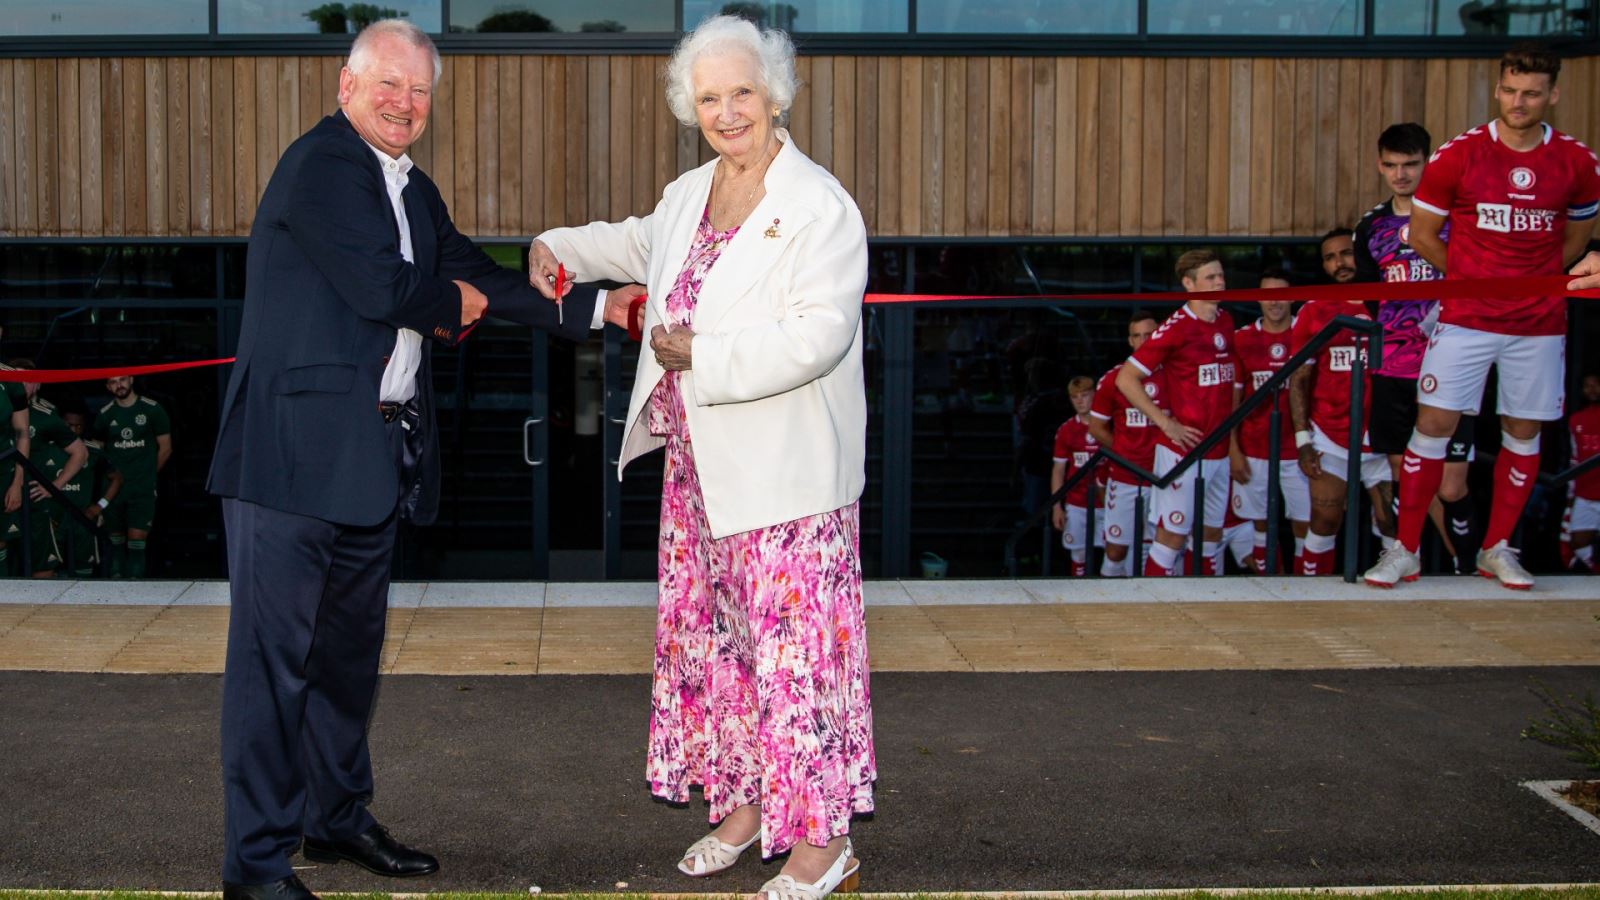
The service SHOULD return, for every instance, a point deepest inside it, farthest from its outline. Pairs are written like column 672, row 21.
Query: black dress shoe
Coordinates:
column 375, row 851
column 283, row 889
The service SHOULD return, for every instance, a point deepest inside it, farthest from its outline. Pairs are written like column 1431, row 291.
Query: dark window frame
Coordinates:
column 911, row 43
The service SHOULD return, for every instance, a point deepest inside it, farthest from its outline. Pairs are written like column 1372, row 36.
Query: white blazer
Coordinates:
column 775, row 398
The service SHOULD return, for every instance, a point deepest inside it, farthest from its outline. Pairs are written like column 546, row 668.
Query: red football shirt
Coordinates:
column 1199, row 362
column 1261, row 355
column 1330, row 386
column 1074, row 446
column 1132, row 436
column 1584, row 426
column 1508, row 213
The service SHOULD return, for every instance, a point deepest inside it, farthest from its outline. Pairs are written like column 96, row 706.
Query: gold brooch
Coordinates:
column 772, row 230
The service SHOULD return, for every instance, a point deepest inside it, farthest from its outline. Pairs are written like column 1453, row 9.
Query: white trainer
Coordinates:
column 1397, row 564
column 1500, row 561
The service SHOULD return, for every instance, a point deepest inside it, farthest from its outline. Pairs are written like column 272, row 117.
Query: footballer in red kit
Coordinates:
column 1263, row 347
column 1319, row 400
column 1074, row 445
column 1520, row 198
column 1194, row 348
column 1582, row 519
column 1122, row 428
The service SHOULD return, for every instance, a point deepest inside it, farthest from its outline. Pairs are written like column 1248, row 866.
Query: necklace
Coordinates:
column 739, row 213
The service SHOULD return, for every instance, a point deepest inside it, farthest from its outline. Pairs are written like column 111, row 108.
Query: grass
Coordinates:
column 1583, row 892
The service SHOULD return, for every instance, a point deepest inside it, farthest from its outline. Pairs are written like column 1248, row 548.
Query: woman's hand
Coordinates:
column 542, row 269
column 673, row 349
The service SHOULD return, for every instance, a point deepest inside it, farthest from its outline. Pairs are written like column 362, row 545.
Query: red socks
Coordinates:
column 1421, row 471
column 1516, row 470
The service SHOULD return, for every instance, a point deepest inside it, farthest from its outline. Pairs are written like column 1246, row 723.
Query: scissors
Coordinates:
column 561, row 281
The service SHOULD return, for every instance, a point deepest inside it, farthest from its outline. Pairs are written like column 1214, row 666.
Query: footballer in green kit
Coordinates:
column 92, row 490
column 13, row 434
column 138, row 442
column 61, row 455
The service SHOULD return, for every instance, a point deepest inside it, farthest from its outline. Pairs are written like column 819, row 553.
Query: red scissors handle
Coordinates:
column 636, row 317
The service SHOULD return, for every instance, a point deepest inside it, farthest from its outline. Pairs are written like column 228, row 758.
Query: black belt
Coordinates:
column 390, row 411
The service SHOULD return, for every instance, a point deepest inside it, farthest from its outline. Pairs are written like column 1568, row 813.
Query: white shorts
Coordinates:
column 1174, row 504
column 1077, row 523
column 1241, row 541
column 1119, row 511
column 1584, row 515
column 1374, row 466
column 1250, row 499
column 1533, row 372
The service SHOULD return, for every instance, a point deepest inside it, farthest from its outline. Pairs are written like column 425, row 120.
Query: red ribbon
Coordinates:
column 1449, row 288
column 57, row 376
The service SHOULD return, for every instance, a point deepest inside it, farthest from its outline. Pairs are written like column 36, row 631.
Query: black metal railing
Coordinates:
column 33, row 475
column 1269, row 389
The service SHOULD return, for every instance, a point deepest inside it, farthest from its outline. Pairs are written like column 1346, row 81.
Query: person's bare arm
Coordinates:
column 1425, row 228
column 1576, row 240
column 1300, row 414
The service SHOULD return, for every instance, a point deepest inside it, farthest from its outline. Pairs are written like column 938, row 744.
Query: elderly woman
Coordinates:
column 756, row 264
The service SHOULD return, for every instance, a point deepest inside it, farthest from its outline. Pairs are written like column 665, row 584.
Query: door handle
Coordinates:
column 527, row 440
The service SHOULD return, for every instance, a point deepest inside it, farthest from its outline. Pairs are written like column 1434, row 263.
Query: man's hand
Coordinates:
column 1184, row 436
column 618, row 301
column 542, row 269
column 1058, row 517
column 14, row 497
column 1239, row 467
column 93, row 512
column 1589, row 269
column 1311, row 462
column 672, row 348
column 38, row 492
column 473, row 303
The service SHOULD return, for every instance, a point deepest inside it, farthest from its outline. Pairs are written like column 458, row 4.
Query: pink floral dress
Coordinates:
column 760, row 693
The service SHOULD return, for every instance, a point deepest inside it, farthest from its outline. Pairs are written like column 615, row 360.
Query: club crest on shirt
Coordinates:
column 1429, row 384
column 1150, row 389
column 1217, row 340
column 1521, row 178
column 1405, row 234
column 1278, row 351
column 139, row 419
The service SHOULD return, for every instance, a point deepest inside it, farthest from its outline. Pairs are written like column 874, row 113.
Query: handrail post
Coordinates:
column 1136, row 549
column 1269, row 566
column 1197, row 522
column 1088, row 527
column 1352, row 467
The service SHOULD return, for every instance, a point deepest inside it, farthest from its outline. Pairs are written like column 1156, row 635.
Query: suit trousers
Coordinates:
column 309, row 604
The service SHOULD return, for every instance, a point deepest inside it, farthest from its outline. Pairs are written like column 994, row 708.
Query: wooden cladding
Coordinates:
column 927, row 145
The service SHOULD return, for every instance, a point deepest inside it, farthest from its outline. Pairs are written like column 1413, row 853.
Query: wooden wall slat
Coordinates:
column 1065, row 178
column 45, row 136
column 931, row 178
column 69, row 186
column 956, row 171
column 1089, row 146
column 1191, row 216
column 90, row 159
column 1041, row 155
column 1156, row 130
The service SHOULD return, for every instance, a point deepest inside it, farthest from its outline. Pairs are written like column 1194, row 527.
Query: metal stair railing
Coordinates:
column 1269, row 389
column 33, row 475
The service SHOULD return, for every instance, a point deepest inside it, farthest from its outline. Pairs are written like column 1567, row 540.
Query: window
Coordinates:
column 499, row 16
column 106, row 17
column 1305, row 18
column 806, row 15
column 319, row 16
column 1028, row 16
column 1482, row 18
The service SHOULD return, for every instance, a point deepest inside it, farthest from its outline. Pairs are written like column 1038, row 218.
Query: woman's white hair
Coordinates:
column 361, row 50
column 769, row 47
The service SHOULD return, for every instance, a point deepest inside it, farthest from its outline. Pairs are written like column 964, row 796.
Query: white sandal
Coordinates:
column 844, row 876
column 711, row 855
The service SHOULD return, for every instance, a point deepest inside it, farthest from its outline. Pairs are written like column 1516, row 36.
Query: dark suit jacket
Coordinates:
column 325, row 290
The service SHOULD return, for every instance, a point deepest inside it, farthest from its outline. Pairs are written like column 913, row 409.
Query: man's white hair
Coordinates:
column 769, row 47
column 361, row 50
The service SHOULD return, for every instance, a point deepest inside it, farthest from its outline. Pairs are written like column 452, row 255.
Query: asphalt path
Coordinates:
column 987, row 782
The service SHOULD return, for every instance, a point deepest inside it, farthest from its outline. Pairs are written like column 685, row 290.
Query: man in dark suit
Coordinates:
column 353, row 267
